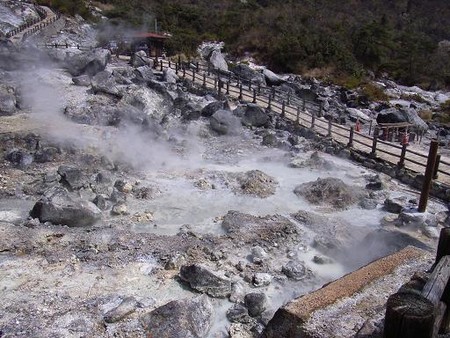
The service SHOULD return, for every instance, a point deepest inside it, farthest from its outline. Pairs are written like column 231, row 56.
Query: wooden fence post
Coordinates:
column 374, row 142
column 240, row 91
column 289, row 99
column 297, row 120
column 204, row 80
column 228, row 87
column 304, row 105
column 283, row 109
column 330, row 125
column 184, row 71
column 320, row 109
column 370, row 126
column 196, row 66
column 273, row 93
column 215, row 83
column 176, row 68
column 436, row 166
column 313, row 120
column 443, row 248
column 269, row 106
column 408, row 315
column 219, row 88
column 254, row 95
column 401, row 162
column 434, row 146
column 350, row 138
column 193, row 74
column 161, row 64
column 259, row 88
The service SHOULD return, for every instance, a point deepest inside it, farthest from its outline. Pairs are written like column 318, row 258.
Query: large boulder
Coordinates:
column 144, row 74
column 140, row 59
column 187, row 318
column 272, row 79
column 212, row 107
column 89, row 63
column 104, row 82
column 249, row 74
column 329, row 191
column 58, row 207
column 399, row 115
column 252, row 115
column 170, row 76
column 224, row 122
column 7, row 100
column 202, row 279
column 217, row 60
column 256, row 303
column 72, row 177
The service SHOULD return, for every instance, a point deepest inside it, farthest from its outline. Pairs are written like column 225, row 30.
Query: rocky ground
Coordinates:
column 131, row 207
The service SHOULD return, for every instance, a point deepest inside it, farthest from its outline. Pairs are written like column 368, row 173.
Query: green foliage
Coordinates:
column 374, row 93
column 68, row 7
column 395, row 37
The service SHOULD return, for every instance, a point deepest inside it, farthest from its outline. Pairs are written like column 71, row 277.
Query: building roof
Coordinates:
column 150, row 35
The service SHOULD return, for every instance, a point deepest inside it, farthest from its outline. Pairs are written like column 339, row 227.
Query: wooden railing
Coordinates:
column 420, row 309
column 35, row 24
column 307, row 114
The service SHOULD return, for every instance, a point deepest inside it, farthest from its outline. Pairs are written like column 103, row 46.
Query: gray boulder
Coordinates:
column 395, row 205
column 217, row 60
column 187, row 318
column 252, row 115
column 238, row 314
column 329, row 191
column 58, row 207
column 72, row 177
column 104, row 82
column 224, row 122
column 206, row 281
column 398, row 115
column 272, row 79
column 143, row 74
column 256, row 303
column 82, row 80
column 246, row 73
column 19, row 158
column 170, row 76
column 212, row 107
column 89, row 63
column 140, row 59
column 294, row 270
column 8, row 101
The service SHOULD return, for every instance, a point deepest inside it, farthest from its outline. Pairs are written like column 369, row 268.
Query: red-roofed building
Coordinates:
column 151, row 43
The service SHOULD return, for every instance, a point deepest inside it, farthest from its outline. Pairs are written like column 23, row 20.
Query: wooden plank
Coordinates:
column 435, row 287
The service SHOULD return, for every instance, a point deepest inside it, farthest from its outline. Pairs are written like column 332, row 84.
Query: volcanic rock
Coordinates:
column 294, row 270
column 252, row 115
column 212, row 107
column 82, row 80
column 256, row 183
column 89, row 63
column 72, row 177
column 272, row 79
column 217, row 60
column 245, row 72
column 58, row 207
column 187, row 318
column 202, row 279
column 7, row 100
column 144, row 74
column 224, row 122
column 104, row 82
column 256, row 303
column 328, row 191
column 140, row 59
column 126, row 307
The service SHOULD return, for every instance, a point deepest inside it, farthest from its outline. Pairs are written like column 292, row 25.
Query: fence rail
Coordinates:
column 306, row 113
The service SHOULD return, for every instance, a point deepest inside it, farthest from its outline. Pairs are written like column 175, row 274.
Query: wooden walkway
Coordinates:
column 307, row 114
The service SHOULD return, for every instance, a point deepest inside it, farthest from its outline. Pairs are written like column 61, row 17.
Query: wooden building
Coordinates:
column 151, row 43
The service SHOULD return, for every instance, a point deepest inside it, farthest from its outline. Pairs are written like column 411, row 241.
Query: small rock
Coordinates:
column 202, row 279
column 261, row 279
column 126, row 307
column 258, row 254
column 295, row 270
column 395, row 205
column 238, row 314
column 256, row 303
column 119, row 209
column 319, row 259
column 368, row 204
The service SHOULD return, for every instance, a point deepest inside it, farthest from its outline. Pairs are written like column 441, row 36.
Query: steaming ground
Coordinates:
column 57, row 281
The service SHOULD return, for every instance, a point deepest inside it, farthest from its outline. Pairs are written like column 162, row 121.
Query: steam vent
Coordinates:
column 178, row 169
